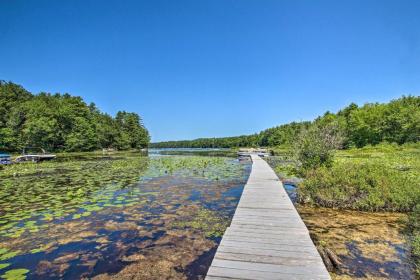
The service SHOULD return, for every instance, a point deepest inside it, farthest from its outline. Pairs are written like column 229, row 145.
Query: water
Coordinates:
column 119, row 216
column 369, row 245
column 291, row 191
column 192, row 151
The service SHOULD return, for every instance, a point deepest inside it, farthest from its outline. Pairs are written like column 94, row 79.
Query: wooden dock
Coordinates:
column 267, row 239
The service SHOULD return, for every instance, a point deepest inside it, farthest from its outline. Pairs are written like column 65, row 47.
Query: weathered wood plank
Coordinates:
column 280, row 247
column 267, row 267
column 232, row 273
column 263, row 235
column 273, row 228
column 267, row 239
column 267, row 252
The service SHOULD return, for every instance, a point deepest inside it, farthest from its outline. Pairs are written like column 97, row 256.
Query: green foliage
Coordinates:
column 371, row 184
column 7, row 138
column 81, row 137
column 212, row 153
column 315, row 146
column 395, row 122
column 132, row 135
column 61, row 122
column 414, row 225
column 283, row 135
column 224, row 142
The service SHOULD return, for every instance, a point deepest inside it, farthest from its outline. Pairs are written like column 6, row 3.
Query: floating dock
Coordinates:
column 267, row 239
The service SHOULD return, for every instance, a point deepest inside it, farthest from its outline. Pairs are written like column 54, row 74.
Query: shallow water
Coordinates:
column 116, row 217
column 369, row 245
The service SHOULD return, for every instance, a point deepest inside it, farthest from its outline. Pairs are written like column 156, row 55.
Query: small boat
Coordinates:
column 34, row 157
column 5, row 159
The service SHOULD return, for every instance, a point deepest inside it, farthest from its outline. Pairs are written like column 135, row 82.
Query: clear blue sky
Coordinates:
column 204, row 68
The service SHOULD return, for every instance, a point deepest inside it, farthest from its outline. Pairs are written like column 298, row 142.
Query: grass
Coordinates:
column 376, row 178
column 367, row 186
column 414, row 227
column 385, row 177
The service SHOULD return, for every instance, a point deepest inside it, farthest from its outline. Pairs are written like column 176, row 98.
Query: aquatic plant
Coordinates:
column 211, row 168
column 96, row 205
column 206, row 221
column 4, row 265
column 15, row 274
column 40, row 193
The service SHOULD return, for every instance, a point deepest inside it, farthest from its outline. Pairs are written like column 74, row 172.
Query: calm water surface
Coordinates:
column 122, row 216
column 369, row 245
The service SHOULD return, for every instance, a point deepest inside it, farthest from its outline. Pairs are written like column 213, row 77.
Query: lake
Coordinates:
column 116, row 216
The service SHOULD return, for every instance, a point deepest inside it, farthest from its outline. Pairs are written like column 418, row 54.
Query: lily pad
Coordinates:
column 15, row 274
column 4, row 265
column 8, row 255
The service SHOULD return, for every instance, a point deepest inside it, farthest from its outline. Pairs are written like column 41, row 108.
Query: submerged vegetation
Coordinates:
column 88, row 215
column 61, row 122
column 207, row 221
column 366, row 245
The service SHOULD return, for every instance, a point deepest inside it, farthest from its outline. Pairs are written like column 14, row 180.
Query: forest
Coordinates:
column 62, row 122
column 397, row 121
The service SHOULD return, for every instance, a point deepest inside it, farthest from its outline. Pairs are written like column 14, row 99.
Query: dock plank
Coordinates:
column 267, row 239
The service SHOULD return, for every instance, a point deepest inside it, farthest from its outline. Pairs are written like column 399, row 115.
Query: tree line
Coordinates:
column 61, row 122
column 397, row 121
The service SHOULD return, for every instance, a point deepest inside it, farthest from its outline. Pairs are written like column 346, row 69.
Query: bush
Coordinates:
column 315, row 146
column 414, row 225
column 361, row 186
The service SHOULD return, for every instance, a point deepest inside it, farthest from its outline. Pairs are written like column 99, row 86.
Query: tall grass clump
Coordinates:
column 361, row 185
column 414, row 226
